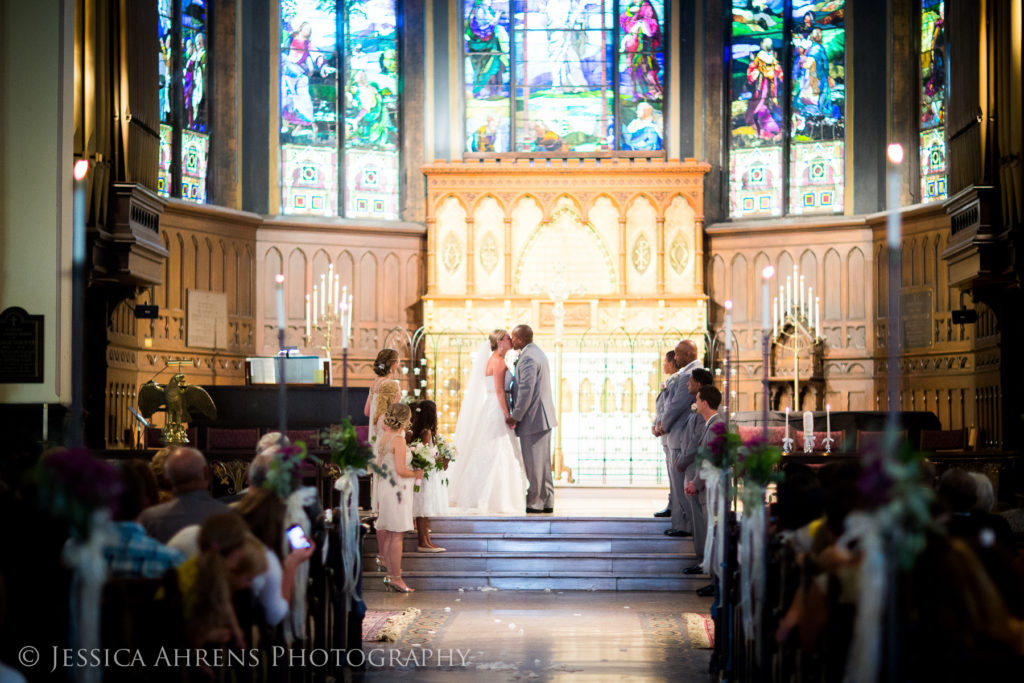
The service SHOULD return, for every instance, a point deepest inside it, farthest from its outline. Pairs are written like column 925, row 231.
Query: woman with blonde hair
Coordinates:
column 393, row 503
column 385, row 366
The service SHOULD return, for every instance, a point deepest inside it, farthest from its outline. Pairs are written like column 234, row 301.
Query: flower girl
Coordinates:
column 431, row 500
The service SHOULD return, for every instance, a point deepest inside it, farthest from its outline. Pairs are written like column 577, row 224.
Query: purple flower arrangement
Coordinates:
column 73, row 484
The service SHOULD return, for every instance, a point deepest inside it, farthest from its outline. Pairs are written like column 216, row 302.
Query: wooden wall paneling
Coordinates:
column 831, row 301
column 366, row 311
column 738, row 288
column 761, row 260
column 856, row 289
column 391, row 290
column 294, row 289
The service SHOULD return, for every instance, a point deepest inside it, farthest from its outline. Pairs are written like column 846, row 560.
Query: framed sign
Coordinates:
column 21, row 347
column 207, row 319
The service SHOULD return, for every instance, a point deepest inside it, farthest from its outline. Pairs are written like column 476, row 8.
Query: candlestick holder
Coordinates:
column 827, row 441
column 809, row 443
column 796, row 335
column 328, row 325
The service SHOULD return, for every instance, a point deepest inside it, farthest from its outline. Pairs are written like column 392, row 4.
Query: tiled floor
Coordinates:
column 543, row 636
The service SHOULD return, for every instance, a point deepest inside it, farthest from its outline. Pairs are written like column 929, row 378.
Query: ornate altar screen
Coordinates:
column 603, row 258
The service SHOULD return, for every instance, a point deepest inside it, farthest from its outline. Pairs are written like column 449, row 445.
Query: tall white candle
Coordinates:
column 766, row 276
column 728, row 325
column 332, row 296
column 343, row 314
column 810, row 312
column 782, row 305
column 787, row 422
column 316, row 306
column 351, row 306
column 323, row 295
column 802, row 293
column 279, row 279
column 893, row 227
column 335, row 300
column 817, row 316
column 828, row 419
column 775, row 317
column 789, row 293
column 309, row 305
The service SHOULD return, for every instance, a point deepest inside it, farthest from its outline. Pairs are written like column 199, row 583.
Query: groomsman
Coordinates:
column 686, row 464
column 669, row 369
column 675, row 422
column 708, row 400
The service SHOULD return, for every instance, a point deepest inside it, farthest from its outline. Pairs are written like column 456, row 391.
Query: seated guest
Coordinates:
column 268, row 446
column 230, row 557
column 133, row 554
column 190, row 479
column 264, row 512
column 158, row 466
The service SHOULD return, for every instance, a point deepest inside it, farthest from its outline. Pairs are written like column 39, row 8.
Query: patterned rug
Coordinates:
column 387, row 625
column 700, row 628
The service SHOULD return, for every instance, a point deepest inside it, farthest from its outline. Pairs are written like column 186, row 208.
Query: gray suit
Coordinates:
column 534, row 412
column 675, row 421
column 698, row 504
column 676, row 498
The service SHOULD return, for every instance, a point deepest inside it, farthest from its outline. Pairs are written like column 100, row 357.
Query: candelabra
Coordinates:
column 329, row 313
column 796, row 325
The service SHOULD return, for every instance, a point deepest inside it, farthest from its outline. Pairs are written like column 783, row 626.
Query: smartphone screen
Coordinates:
column 297, row 537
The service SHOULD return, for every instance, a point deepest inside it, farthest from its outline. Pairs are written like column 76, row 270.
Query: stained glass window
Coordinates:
column 787, row 78
column 339, row 108
column 563, row 75
column 183, row 101
column 933, row 100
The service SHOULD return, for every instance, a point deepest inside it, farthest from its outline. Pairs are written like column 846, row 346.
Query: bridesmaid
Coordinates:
column 394, row 505
column 432, row 498
column 385, row 367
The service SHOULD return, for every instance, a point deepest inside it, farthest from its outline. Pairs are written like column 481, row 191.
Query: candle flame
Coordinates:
column 81, row 169
column 768, row 272
column 279, row 278
column 895, row 153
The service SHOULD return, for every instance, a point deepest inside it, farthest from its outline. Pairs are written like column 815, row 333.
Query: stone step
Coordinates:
column 579, row 543
column 629, row 564
column 548, row 525
column 539, row 581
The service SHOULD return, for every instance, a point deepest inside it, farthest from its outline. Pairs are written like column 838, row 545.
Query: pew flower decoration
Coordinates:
column 284, row 474
column 723, row 448
column 73, row 485
column 347, row 451
column 756, row 467
column 895, row 490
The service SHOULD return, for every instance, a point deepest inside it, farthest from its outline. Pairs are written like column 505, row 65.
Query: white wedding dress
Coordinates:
column 487, row 476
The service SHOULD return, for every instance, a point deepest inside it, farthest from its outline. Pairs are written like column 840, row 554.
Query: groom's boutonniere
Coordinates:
column 511, row 359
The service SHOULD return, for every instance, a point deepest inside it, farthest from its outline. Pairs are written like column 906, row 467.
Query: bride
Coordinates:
column 488, row 476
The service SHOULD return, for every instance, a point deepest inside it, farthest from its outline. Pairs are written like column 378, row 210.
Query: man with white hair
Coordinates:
column 189, row 475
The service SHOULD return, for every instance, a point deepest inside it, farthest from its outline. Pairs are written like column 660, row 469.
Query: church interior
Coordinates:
column 216, row 214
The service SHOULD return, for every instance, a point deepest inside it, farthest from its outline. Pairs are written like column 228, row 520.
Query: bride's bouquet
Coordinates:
column 424, row 457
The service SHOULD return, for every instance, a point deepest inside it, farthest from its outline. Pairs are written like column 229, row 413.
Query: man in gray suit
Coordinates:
column 533, row 417
column 669, row 369
column 709, row 398
column 675, row 419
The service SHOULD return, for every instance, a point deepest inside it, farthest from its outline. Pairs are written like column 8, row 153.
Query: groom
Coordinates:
column 533, row 418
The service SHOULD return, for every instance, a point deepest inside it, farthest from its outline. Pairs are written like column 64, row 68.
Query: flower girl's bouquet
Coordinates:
column 445, row 454
column 424, row 457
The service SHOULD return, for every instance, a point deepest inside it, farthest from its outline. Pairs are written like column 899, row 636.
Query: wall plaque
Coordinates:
column 21, row 347
column 916, row 319
column 207, row 316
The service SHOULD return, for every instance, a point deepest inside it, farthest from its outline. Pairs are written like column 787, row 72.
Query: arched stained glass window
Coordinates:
column 564, row 75
column 933, row 100
column 183, row 95
column 787, row 108
column 339, row 108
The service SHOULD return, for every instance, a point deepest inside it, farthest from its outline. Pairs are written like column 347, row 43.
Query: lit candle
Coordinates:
column 279, row 279
column 787, row 422
column 351, row 307
column 728, row 325
column 309, row 311
column 332, row 295
column 316, row 307
column 323, row 295
column 766, row 276
column 337, row 282
column 828, row 420
column 893, row 228
column 343, row 314
column 802, row 292
column 775, row 317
